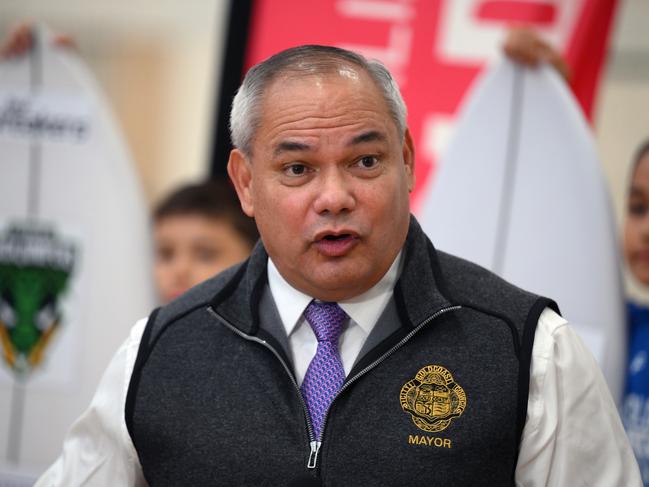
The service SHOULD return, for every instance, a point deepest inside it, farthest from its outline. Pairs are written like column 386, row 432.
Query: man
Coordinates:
column 346, row 350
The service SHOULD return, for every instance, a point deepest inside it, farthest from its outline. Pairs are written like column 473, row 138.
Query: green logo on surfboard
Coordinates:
column 35, row 269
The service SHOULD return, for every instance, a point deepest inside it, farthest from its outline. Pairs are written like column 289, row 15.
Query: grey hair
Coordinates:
column 304, row 60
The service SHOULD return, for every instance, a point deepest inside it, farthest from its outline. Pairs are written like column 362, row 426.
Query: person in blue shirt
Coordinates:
column 635, row 406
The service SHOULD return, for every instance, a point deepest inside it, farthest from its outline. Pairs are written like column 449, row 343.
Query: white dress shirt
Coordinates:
column 573, row 435
column 363, row 311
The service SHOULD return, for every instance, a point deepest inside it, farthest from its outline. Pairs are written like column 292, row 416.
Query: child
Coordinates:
column 198, row 231
column 635, row 410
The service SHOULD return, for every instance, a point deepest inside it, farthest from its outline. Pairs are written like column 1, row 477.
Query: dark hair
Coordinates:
column 212, row 199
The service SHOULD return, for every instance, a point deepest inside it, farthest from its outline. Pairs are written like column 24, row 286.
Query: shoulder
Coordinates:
column 197, row 298
column 434, row 276
column 552, row 329
column 469, row 282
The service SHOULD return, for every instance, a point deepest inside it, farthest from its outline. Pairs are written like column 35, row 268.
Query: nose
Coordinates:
column 181, row 271
column 335, row 192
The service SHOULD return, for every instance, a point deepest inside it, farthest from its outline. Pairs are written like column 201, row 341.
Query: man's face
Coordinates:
column 328, row 183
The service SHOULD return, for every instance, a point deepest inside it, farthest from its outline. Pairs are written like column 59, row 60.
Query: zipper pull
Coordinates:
column 313, row 456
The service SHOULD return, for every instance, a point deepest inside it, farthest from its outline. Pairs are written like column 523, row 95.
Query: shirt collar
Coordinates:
column 364, row 309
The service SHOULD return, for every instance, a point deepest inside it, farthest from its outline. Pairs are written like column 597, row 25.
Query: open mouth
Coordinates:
column 337, row 237
column 336, row 245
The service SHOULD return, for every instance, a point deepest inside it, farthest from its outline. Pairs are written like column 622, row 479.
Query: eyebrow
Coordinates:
column 290, row 146
column 293, row 146
column 370, row 136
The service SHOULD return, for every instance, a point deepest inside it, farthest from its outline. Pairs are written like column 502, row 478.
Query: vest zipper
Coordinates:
column 377, row 362
column 313, row 456
column 314, row 445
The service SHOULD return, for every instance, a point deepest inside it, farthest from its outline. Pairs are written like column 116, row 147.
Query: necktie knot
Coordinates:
column 326, row 320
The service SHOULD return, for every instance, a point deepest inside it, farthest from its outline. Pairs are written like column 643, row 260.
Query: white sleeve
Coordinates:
column 97, row 449
column 573, row 435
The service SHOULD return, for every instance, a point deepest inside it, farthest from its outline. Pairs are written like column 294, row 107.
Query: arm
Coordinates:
column 573, row 434
column 98, row 449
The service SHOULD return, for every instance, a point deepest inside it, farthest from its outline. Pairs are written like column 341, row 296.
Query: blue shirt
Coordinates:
column 635, row 409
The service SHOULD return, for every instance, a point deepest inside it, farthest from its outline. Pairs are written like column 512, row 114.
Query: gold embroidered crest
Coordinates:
column 432, row 398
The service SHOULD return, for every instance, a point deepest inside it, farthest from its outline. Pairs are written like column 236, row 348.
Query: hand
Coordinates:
column 20, row 40
column 525, row 46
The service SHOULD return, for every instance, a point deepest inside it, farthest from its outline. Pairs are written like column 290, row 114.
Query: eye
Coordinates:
column 637, row 208
column 164, row 254
column 206, row 255
column 295, row 169
column 368, row 162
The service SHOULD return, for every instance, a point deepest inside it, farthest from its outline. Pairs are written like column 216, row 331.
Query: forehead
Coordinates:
column 640, row 175
column 182, row 222
column 346, row 79
column 643, row 162
column 345, row 99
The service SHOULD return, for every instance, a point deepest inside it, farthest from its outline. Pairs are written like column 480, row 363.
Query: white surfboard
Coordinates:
column 521, row 192
column 75, row 255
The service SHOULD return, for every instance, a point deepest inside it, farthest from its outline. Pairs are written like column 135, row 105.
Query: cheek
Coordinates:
column 163, row 276
column 161, row 269
column 203, row 271
column 281, row 216
column 630, row 237
column 627, row 250
column 392, row 210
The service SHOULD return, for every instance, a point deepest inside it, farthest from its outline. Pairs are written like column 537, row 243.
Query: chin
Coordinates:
column 340, row 289
column 640, row 272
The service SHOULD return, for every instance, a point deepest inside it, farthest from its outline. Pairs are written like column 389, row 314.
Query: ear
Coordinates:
column 409, row 158
column 240, row 172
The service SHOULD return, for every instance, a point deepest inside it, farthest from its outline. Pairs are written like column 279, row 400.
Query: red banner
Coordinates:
column 435, row 48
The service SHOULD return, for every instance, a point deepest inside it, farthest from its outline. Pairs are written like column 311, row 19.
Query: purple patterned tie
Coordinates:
column 325, row 375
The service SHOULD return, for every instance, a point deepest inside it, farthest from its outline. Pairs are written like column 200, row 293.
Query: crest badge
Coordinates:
column 433, row 398
column 35, row 267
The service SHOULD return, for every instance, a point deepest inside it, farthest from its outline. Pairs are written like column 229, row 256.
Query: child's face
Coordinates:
column 191, row 248
column 636, row 230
